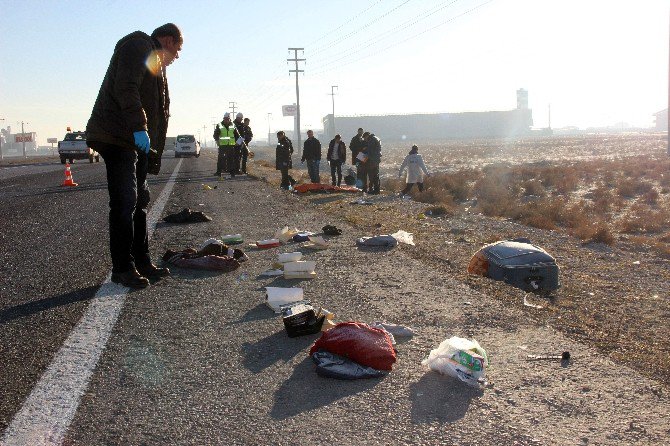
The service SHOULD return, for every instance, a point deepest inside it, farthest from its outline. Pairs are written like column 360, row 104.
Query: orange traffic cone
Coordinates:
column 68, row 177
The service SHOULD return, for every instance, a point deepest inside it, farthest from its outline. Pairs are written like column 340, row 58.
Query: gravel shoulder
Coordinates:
column 199, row 359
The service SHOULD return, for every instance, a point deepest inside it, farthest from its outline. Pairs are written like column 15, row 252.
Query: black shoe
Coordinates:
column 130, row 279
column 152, row 272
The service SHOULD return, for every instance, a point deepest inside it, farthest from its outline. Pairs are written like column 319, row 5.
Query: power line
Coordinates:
column 346, row 22
column 348, row 52
column 346, row 36
column 405, row 40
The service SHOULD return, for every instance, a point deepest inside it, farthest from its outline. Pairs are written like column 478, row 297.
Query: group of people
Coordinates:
column 366, row 154
column 232, row 139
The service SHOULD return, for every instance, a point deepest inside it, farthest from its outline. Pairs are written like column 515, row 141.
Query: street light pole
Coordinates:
column 269, row 131
column 332, row 94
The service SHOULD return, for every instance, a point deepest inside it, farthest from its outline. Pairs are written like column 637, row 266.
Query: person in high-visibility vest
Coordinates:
column 226, row 134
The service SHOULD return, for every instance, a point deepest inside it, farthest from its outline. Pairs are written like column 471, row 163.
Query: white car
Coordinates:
column 186, row 145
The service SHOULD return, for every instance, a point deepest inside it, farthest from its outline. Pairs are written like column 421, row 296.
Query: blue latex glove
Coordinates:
column 142, row 140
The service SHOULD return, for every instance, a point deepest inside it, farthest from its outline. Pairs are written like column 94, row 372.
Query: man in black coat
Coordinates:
column 311, row 153
column 283, row 161
column 248, row 136
column 127, row 127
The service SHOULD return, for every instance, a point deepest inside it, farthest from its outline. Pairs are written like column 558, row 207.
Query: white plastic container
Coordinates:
column 277, row 296
column 306, row 266
column 289, row 257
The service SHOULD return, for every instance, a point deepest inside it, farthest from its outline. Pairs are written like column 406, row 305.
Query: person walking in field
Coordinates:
column 416, row 169
column 337, row 154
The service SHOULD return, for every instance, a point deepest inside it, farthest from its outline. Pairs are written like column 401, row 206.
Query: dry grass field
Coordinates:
column 600, row 189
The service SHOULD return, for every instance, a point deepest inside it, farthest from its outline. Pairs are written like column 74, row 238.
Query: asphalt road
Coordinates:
column 199, row 359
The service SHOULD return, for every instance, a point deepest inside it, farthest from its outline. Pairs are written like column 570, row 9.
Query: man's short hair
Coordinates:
column 247, row 119
column 310, row 131
column 366, row 134
column 338, row 136
column 279, row 133
column 360, row 129
column 168, row 30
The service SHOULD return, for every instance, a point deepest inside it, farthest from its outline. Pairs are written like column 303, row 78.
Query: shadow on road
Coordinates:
column 440, row 398
column 30, row 308
column 274, row 348
column 258, row 313
column 305, row 391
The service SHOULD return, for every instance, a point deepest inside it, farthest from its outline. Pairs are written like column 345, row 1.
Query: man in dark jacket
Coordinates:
column 337, row 154
column 356, row 145
column 127, row 127
column 311, row 153
column 283, row 160
column 374, row 152
column 248, row 135
column 239, row 143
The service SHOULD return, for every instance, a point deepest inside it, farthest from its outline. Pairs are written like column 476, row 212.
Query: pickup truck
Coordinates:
column 74, row 147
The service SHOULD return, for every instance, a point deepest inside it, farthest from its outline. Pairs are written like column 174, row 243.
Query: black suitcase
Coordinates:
column 522, row 265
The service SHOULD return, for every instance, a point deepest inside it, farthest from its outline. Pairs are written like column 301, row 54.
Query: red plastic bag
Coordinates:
column 359, row 342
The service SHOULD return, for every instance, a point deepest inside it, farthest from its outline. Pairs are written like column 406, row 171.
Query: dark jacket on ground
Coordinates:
column 374, row 149
column 283, row 154
column 341, row 151
column 356, row 145
column 311, row 149
column 132, row 97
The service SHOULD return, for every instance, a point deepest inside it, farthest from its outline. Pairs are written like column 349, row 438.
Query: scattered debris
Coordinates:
column 330, row 365
column 187, row 216
column 316, row 242
column 528, row 304
column 379, row 241
column 331, row 230
column 362, row 201
column 300, row 319
column 565, row 356
column 404, row 237
column 461, row 358
column 275, row 297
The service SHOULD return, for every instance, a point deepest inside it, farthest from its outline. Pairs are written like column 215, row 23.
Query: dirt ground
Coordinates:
column 614, row 298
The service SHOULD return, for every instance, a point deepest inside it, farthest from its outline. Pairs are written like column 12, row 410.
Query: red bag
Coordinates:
column 359, row 342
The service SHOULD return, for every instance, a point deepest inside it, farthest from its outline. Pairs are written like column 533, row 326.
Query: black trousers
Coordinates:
column 237, row 158
column 245, row 155
column 373, row 177
column 128, row 200
column 286, row 179
column 409, row 188
column 224, row 161
column 362, row 176
column 336, row 167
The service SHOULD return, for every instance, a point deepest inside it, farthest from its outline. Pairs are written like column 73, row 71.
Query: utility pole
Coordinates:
column 232, row 104
column 23, row 139
column 204, row 133
column 269, row 131
column 1, row 156
column 669, row 101
column 297, row 91
column 332, row 95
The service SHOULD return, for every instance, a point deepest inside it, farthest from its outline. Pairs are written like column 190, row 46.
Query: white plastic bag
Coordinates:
column 461, row 358
column 404, row 237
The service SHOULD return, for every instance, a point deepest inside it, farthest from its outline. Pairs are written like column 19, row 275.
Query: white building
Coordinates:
column 12, row 143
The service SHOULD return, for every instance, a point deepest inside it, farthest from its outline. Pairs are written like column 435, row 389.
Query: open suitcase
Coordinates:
column 518, row 263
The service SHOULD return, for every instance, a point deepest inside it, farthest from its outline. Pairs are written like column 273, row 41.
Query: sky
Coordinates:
column 594, row 62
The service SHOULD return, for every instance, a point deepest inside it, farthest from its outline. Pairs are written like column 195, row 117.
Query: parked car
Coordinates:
column 74, row 147
column 186, row 145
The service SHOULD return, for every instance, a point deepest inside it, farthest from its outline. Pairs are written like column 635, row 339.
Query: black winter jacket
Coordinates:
column 341, row 151
column 374, row 149
column 283, row 154
column 356, row 145
column 132, row 97
column 311, row 149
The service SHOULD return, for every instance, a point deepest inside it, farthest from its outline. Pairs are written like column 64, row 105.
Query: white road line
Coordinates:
column 49, row 409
